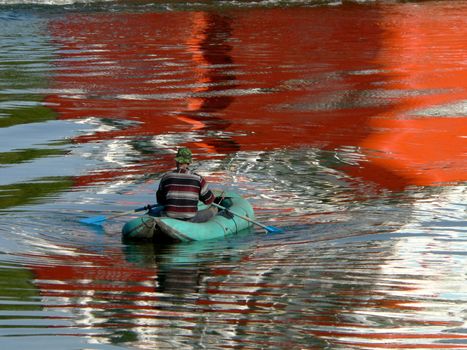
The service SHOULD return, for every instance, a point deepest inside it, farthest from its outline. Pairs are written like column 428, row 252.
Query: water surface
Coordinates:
column 343, row 124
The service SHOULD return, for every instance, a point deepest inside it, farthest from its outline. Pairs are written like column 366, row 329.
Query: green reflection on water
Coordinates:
column 26, row 193
column 16, row 286
column 20, row 104
column 20, row 80
column 26, row 155
column 25, row 115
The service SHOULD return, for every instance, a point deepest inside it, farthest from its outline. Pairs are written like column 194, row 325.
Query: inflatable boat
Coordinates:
column 236, row 215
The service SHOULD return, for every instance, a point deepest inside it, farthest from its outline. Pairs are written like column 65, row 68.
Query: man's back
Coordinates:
column 180, row 190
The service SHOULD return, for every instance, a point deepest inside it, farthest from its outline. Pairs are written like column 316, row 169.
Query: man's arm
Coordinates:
column 161, row 194
column 205, row 194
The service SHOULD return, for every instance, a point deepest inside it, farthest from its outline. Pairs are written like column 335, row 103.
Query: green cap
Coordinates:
column 183, row 156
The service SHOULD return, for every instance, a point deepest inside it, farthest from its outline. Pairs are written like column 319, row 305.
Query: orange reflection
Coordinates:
column 212, row 67
column 229, row 82
column 422, row 137
column 93, row 273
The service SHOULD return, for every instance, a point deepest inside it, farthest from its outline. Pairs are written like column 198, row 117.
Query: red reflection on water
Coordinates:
column 96, row 273
column 117, row 62
column 299, row 77
column 424, row 55
column 129, row 68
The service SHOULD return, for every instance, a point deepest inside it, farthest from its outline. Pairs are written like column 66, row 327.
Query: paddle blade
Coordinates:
column 272, row 229
column 95, row 220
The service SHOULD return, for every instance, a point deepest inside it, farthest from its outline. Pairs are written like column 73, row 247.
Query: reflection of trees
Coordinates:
column 26, row 193
column 22, row 105
column 16, row 286
column 25, row 115
column 22, row 77
column 26, row 155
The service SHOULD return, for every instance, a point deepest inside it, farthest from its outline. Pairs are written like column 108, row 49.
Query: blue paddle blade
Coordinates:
column 95, row 220
column 272, row 229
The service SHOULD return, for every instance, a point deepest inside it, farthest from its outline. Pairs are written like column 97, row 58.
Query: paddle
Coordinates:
column 270, row 229
column 98, row 220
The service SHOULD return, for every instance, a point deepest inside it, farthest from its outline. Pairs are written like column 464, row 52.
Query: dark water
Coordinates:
column 343, row 123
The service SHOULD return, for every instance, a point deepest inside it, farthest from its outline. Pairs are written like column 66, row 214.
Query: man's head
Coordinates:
column 183, row 156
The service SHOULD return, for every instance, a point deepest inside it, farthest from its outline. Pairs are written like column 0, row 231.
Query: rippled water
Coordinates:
column 343, row 123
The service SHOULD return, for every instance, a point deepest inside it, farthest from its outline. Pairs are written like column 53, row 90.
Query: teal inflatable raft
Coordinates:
column 162, row 229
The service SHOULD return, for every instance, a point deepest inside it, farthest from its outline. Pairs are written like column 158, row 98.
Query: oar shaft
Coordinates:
column 99, row 219
column 147, row 207
column 240, row 216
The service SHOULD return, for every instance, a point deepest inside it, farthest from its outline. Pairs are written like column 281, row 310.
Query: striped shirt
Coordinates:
column 180, row 190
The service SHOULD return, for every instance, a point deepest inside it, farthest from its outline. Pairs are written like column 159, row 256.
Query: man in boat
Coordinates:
column 181, row 189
